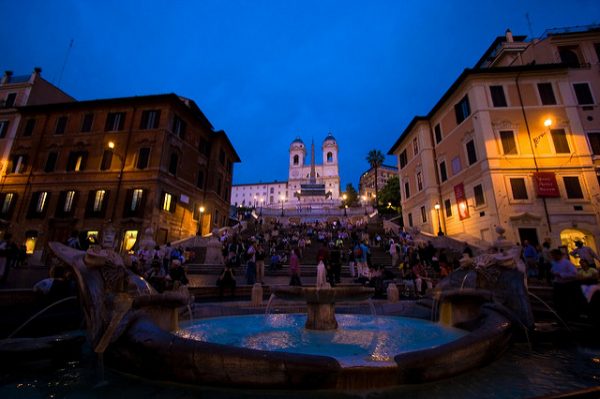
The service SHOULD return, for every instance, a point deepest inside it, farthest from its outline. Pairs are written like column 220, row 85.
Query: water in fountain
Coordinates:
column 268, row 308
column 35, row 316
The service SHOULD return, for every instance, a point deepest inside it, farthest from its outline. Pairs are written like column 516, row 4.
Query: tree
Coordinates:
column 375, row 159
column 351, row 195
column 390, row 194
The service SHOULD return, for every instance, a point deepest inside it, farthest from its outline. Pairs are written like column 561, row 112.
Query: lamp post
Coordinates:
column 200, row 220
column 111, row 146
column 344, row 197
column 437, row 210
column 281, row 199
column 262, row 200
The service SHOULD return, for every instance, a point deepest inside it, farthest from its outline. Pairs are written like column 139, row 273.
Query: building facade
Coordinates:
column 134, row 163
column 18, row 91
column 259, row 194
column 514, row 142
column 366, row 184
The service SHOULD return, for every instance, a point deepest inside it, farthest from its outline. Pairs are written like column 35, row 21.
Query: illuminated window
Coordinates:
column 68, row 204
column 136, row 198
column 41, row 202
column 166, row 205
column 98, row 200
column 30, row 245
column 18, row 163
column 130, row 239
column 76, row 161
column 6, row 204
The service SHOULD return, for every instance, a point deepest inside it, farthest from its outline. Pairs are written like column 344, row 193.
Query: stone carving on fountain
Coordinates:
column 495, row 277
column 112, row 296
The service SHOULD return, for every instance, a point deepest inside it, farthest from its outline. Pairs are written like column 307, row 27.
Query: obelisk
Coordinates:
column 313, row 175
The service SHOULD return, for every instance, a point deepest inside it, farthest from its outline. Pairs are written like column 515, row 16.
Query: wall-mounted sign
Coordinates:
column 545, row 184
column 461, row 201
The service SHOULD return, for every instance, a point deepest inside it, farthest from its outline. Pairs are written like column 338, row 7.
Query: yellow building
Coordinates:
column 514, row 142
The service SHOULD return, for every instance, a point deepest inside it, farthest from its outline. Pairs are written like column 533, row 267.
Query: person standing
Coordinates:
column 583, row 252
column 295, row 268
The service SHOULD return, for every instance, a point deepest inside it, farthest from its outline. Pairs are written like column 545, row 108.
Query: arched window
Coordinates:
column 329, row 157
column 296, row 159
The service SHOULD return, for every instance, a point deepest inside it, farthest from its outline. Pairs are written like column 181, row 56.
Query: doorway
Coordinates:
column 529, row 234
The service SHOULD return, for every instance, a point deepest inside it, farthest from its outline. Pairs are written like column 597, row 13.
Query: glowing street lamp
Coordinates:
column 200, row 220
column 548, row 122
column 437, row 210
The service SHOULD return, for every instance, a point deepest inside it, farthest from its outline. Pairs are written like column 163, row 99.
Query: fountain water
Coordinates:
column 41, row 312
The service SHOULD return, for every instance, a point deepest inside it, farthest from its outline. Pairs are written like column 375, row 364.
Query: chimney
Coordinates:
column 6, row 78
column 37, row 71
column 509, row 36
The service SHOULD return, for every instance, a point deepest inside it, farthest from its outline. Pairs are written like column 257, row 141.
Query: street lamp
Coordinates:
column 111, row 146
column 344, row 197
column 437, row 210
column 262, row 200
column 201, row 209
column 255, row 201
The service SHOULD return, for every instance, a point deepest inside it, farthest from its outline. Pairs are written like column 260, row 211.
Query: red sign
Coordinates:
column 461, row 201
column 545, row 184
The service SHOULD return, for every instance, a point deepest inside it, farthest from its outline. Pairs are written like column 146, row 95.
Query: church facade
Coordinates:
column 308, row 182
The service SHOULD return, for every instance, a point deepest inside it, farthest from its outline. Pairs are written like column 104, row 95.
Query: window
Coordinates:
column 462, row 110
column 150, row 119
column 403, row 159
column 509, row 145
column 419, row 181
column 168, row 202
column 573, row 187
column 478, row 194
column 594, row 139
column 296, row 160
column 519, row 190
column 7, row 201
column 559, row 138
column 546, row 93
column 583, row 93
column 222, row 157
column 410, row 220
column 438, row 133
column 200, row 180
column 569, row 55
column 416, row 146
column 76, row 161
column 272, row 190
column 114, row 121
column 10, row 100
column 61, row 125
column 329, row 157
column 29, row 126
column 179, row 127
column 406, row 190
column 443, row 173
column 204, row 147
column 498, row 98
column 423, row 214
column 51, row 162
column 98, row 200
column 107, row 156
column 86, row 125
column 37, row 206
column 456, row 166
column 68, row 201
column 448, row 208
column 18, row 163
column 471, row 154
column 136, row 199
column 3, row 128
column 173, row 162
column 143, row 157
column 97, row 203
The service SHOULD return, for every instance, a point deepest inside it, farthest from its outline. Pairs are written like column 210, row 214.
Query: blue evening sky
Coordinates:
column 268, row 71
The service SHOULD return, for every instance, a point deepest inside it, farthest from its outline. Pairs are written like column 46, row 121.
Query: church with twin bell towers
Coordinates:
column 309, row 182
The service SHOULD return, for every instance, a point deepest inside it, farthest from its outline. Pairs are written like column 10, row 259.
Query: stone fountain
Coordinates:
column 320, row 302
column 138, row 330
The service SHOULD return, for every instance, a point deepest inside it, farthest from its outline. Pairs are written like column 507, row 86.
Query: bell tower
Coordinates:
column 331, row 176
column 297, row 159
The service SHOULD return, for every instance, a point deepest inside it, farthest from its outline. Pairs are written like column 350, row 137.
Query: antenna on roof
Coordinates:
column 65, row 62
column 529, row 25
